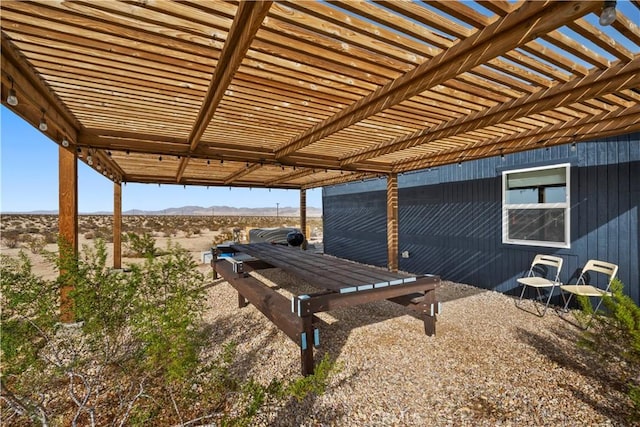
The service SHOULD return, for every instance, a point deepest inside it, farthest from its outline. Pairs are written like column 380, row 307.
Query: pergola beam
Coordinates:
column 34, row 96
column 291, row 176
column 170, row 180
column 151, row 144
column 246, row 23
column 622, row 120
column 598, row 83
column 347, row 177
column 242, row 172
column 515, row 29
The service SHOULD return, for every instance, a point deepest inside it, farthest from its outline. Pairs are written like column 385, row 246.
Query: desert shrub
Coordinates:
column 136, row 356
column 35, row 244
column 11, row 238
column 89, row 235
column 50, row 237
column 614, row 335
column 139, row 245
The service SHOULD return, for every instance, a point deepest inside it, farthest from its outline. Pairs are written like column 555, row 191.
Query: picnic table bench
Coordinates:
column 339, row 283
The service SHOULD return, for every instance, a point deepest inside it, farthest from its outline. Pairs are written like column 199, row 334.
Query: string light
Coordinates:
column 12, row 98
column 608, row 14
column 65, row 142
column 43, row 123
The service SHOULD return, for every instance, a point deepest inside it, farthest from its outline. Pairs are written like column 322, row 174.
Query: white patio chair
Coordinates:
column 540, row 282
column 583, row 288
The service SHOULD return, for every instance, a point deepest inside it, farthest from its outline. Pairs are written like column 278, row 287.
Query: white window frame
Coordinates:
column 565, row 205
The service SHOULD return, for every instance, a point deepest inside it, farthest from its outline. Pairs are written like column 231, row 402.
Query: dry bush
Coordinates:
column 11, row 238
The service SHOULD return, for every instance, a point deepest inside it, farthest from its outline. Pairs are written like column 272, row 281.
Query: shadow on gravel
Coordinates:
column 563, row 349
column 239, row 329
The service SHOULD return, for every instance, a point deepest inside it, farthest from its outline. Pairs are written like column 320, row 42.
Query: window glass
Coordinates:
column 536, row 206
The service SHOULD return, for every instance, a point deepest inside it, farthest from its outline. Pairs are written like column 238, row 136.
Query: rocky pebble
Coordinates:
column 489, row 364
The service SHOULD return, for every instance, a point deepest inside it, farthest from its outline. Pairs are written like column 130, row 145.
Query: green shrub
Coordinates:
column 136, row 354
column 615, row 336
column 139, row 245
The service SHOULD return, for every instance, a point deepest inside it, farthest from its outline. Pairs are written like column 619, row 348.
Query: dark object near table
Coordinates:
column 295, row 238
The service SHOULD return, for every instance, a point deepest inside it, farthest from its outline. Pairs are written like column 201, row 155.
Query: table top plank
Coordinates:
column 322, row 272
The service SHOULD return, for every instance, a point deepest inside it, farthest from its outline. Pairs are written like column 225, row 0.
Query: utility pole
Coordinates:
column 277, row 210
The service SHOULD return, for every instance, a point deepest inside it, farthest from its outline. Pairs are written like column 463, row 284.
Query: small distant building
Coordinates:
column 481, row 222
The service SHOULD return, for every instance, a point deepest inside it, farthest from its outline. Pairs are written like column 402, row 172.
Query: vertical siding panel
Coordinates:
column 624, row 216
column 633, row 280
column 591, row 202
column 601, row 192
column 612, row 190
column 450, row 219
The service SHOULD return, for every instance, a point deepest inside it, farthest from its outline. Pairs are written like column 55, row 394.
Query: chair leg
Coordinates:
column 546, row 306
column 565, row 300
column 519, row 301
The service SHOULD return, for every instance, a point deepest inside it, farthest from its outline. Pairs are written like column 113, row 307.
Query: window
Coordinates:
column 535, row 206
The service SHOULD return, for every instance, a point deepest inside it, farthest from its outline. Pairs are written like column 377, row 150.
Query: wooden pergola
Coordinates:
column 305, row 94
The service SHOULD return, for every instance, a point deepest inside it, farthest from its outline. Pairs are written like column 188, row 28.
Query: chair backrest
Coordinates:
column 550, row 260
column 603, row 267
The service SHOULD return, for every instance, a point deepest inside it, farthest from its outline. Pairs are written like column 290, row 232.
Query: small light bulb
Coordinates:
column 12, row 98
column 608, row 14
column 89, row 160
column 43, row 125
column 65, row 142
column 573, row 147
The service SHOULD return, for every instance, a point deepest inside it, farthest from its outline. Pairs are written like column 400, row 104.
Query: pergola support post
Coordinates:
column 117, row 225
column 392, row 222
column 303, row 217
column 67, row 223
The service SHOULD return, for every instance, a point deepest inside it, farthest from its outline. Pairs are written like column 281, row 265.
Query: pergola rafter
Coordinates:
column 596, row 84
column 503, row 35
column 245, row 25
column 359, row 87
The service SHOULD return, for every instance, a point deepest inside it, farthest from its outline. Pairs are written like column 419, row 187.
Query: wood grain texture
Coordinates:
column 360, row 87
column 68, row 222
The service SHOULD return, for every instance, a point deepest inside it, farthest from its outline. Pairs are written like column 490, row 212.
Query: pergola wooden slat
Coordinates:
column 306, row 94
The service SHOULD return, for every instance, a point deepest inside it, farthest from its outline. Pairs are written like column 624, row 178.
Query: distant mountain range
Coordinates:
column 201, row 211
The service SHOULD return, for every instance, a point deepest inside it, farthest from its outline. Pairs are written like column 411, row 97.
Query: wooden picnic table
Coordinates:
column 339, row 283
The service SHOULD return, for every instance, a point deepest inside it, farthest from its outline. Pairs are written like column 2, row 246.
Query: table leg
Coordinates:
column 306, row 345
column 429, row 312
column 242, row 301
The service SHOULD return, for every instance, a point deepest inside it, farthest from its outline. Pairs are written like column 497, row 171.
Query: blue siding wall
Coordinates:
column 450, row 217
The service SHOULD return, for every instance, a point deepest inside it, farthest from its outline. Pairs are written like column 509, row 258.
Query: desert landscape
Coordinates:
column 34, row 233
column 489, row 364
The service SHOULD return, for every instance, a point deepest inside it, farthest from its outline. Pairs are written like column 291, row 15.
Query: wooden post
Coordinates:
column 67, row 221
column 117, row 225
column 392, row 222
column 303, row 217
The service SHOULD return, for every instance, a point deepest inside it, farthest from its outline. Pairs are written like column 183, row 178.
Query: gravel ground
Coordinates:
column 490, row 364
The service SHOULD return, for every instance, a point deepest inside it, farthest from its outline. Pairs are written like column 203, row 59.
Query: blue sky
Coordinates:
column 29, row 181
